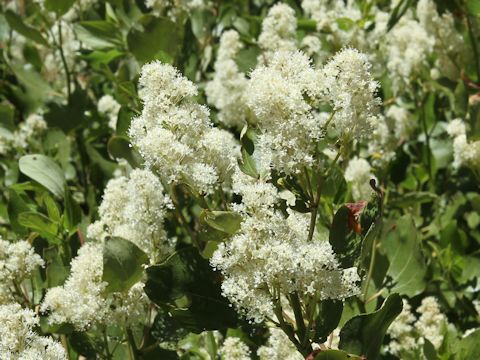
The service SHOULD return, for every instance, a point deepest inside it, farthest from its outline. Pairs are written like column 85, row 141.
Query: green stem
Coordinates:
column 471, row 35
column 64, row 61
column 294, row 300
column 133, row 350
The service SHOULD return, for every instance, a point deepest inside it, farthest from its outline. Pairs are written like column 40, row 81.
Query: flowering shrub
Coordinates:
column 235, row 180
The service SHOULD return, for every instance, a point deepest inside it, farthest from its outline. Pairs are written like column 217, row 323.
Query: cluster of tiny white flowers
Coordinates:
column 359, row 173
column 28, row 130
column 449, row 45
column 431, row 322
column 277, row 97
column 403, row 123
column 327, row 12
column 17, row 261
column 278, row 347
column 408, row 334
column 400, row 331
column 108, row 106
column 19, row 341
column 172, row 130
column 278, row 30
column 351, row 90
column 273, row 252
column 408, row 45
column 79, row 301
column 134, row 209
column 465, row 153
column 226, row 91
column 234, row 349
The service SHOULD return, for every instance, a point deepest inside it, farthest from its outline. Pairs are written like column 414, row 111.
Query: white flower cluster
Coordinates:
column 79, row 301
column 234, row 349
column 278, row 30
column 226, row 91
column 351, row 90
column 272, row 253
column 174, row 135
column 19, row 341
column 82, row 302
column 465, row 153
column 277, row 96
column 329, row 14
column 359, row 173
column 134, row 209
column 17, row 261
column 33, row 126
column 408, row 333
column 108, row 106
column 403, row 123
column 278, row 347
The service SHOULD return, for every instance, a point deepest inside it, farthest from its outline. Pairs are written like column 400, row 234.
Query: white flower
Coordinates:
column 400, row 332
column 79, row 301
column 403, row 122
column 17, row 261
column 278, row 29
column 431, row 322
column 19, row 341
column 109, row 106
column 351, row 90
column 359, row 174
column 271, row 251
column 278, row 347
column 456, row 128
column 226, row 90
column 172, row 132
column 134, row 209
column 234, row 349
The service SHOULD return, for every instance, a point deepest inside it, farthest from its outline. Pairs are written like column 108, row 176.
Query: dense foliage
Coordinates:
column 219, row 179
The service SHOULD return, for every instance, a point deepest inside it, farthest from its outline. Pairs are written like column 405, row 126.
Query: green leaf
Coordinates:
column 155, row 38
column 364, row 333
column 122, row 264
column 16, row 23
column 187, row 275
column 99, row 57
column 72, row 212
column 344, row 242
column 119, row 148
column 473, row 7
column 52, row 208
column 38, row 222
column 16, row 205
column 45, row 171
column 329, row 315
column 345, row 24
column 56, row 271
column 468, row 347
column 335, row 355
column 413, row 198
column 98, row 34
column 59, row 6
column 248, row 165
column 397, row 13
column 226, row 221
column 407, row 267
column 84, row 344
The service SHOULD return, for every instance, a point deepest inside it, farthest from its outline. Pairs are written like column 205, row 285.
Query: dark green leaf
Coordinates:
column 119, row 148
column 344, row 242
column 98, row 34
column 335, row 355
column 329, row 315
column 59, row 6
column 38, row 222
column 155, row 38
column 122, row 264
column 186, row 274
column 468, row 347
column 72, row 212
column 364, row 333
